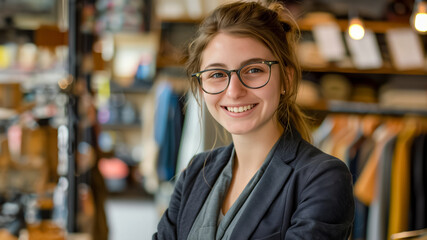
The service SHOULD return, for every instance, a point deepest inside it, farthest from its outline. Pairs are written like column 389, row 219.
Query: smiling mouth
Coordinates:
column 240, row 109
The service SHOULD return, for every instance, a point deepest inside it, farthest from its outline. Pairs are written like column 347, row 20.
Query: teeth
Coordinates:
column 240, row 109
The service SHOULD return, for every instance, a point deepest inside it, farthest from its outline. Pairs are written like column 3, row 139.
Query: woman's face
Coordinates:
column 238, row 109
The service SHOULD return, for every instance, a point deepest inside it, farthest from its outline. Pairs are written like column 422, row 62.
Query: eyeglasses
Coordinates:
column 253, row 76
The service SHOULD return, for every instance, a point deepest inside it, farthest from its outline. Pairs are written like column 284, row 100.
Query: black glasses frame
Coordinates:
column 237, row 71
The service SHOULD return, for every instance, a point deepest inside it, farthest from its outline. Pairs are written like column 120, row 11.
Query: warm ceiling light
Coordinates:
column 419, row 16
column 356, row 29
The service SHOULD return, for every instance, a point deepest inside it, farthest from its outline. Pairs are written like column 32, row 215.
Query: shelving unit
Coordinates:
column 383, row 70
column 121, row 127
column 343, row 107
column 379, row 76
column 306, row 24
column 143, row 89
column 40, row 111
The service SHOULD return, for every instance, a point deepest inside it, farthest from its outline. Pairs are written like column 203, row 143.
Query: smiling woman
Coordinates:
column 270, row 182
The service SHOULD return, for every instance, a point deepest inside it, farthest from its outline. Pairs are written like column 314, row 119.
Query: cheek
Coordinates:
column 210, row 100
column 274, row 96
column 276, row 88
column 278, row 81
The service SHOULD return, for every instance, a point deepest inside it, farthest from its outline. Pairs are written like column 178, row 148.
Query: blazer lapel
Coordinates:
column 269, row 186
column 202, row 187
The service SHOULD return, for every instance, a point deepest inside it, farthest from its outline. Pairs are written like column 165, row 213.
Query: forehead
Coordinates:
column 232, row 50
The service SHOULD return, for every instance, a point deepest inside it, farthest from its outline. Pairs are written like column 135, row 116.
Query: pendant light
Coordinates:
column 356, row 30
column 419, row 16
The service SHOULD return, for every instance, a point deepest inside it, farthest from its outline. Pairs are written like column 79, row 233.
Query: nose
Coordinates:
column 235, row 88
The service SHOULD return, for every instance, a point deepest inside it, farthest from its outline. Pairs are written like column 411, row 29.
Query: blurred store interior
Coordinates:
column 95, row 122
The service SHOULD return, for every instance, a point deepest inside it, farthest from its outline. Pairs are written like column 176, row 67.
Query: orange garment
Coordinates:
column 400, row 172
column 364, row 188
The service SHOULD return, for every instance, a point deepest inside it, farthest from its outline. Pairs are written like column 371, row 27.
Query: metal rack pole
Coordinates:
column 72, row 111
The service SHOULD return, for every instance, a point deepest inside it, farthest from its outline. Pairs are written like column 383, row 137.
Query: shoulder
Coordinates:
column 318, row 175
column 309, row 156
column 303, row 157
column 314, row 170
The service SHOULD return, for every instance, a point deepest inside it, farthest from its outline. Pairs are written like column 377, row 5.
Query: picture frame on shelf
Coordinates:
column 134, row 58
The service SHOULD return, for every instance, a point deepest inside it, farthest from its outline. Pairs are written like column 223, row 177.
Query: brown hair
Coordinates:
column 273, row 26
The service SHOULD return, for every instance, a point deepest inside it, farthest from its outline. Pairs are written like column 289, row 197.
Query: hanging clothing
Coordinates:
column 192, row 140
column 379, row 209
column 150, row 153
column 362, row 151
column 168, row 130
column 399, row 202
column 366, row 187
column 418, row 189
column 390, row 182
column 345, row 138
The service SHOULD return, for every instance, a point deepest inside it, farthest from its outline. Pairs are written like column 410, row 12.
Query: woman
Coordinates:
column 270, row 183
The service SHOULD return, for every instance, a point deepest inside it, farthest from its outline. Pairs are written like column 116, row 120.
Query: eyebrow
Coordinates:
column 222, row 65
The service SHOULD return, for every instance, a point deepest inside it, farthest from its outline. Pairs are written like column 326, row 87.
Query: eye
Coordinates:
column 254, row 70
column 216, row 74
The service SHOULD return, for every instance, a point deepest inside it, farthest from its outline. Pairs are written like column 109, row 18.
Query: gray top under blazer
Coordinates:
column 303, row 194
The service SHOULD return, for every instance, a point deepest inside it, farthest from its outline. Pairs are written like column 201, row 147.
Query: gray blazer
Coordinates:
column 303, row 194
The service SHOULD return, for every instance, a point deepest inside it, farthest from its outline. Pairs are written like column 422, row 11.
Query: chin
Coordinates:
column 237, row 131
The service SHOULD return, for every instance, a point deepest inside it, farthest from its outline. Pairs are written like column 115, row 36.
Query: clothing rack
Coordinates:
column 370, row 108
column 383, row 153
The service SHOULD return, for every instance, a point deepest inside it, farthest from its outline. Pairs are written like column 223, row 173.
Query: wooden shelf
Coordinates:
column 362, row 108
column 307, row 24
column 384, row 70
column 164, row 61
column 31, row 79
column 181, row 20
column 133, row 89
column 120, row 127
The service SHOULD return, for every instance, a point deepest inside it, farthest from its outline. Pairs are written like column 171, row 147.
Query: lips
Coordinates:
column 240, row 109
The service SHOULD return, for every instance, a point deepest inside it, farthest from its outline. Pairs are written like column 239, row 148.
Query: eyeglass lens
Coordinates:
column 254, row 75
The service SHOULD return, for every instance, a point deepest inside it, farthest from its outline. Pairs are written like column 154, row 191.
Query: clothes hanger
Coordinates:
column 410, row 235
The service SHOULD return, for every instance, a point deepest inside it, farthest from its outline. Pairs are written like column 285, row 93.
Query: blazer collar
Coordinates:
column 288, row 145
column 269, row 186
column 214, row 163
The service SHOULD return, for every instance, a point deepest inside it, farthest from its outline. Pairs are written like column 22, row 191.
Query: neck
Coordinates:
column 252, row 149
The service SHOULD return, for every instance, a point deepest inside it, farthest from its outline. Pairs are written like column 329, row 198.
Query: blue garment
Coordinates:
column 167, row 130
